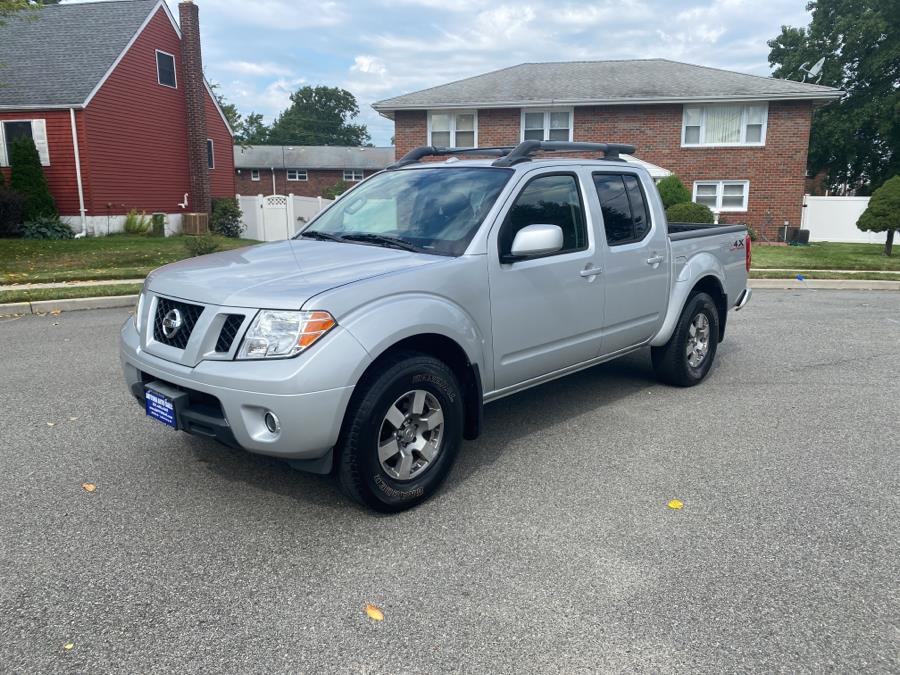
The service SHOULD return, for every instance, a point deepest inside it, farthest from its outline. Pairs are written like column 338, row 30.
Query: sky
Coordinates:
column 259, row 51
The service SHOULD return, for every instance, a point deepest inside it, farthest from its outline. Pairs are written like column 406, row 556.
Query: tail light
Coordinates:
column 747, row 249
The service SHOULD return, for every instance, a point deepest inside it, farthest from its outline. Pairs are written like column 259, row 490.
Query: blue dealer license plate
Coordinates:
column 160, row 408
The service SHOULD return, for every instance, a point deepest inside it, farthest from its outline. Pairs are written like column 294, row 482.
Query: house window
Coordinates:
column 210, row 154
column 625, row 214
column 453, row 129
column 546, row 125
column 353, row 175
column 722, row 195
column 724, row 124
column 297, row 174
column 254, row 174
column 165, row 69
column 13, row 130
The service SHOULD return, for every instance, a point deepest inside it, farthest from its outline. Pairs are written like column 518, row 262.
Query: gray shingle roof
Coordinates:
column 311, row 157
column 596, row 82
column 55, row 56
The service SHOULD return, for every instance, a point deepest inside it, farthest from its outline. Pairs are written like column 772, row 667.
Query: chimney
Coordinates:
column 194, row 93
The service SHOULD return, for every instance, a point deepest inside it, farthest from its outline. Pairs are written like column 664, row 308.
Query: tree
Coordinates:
column 857, row 140
column 254, row 131
column 29, row 181
column 883, row 212
column 319, row 116
column 673, row 191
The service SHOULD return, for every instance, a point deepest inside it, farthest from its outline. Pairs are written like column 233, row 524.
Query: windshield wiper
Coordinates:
column 321, row 236
column 383, row 240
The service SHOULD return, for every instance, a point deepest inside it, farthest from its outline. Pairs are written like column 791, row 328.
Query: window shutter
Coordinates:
column 4, row 160
column 39, row 135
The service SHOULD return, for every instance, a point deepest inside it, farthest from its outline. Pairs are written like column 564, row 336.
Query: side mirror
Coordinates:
column 534, row 240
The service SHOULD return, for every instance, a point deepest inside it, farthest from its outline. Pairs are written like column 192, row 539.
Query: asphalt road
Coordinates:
column 551, row 548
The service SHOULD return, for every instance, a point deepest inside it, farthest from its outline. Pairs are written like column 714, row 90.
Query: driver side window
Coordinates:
column 547, row 200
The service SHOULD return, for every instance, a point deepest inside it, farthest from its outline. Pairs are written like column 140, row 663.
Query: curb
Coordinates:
column 68, row 305
column 827, row 284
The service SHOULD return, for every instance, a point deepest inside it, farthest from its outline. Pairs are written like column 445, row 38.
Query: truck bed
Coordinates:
column 679, row 231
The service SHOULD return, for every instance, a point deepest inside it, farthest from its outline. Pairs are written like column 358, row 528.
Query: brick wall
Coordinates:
column 195, row 101
column 318, row 181
column 776, row 171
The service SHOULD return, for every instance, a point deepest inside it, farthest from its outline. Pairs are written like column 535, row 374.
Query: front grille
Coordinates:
column 189, row 315
column 229, row 332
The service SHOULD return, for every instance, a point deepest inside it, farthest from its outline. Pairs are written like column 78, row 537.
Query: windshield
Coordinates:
column 432, row 210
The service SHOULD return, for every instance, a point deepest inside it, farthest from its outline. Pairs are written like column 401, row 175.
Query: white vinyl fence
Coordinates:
column 834, row 219
column 277, row 217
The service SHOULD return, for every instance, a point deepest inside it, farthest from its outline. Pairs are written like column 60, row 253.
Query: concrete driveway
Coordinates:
column 551, row 548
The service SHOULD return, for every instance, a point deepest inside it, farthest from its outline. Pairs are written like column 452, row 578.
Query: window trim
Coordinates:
column 647, row 208
column 352, row 172
column 546, row 112
column 174, row 69
column 508, row 258
column 255, row 177
column 298, row 179
column 4, row 150
column 453, row 114
column 740, row 144
column 210, row 154
column 720, row 184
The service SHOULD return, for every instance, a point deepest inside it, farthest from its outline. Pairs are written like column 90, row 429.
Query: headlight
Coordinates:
column 138, row 310
column 275, row 334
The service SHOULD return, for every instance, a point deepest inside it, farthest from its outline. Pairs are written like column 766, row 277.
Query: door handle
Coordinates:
column 655, row 260
column 590, row 271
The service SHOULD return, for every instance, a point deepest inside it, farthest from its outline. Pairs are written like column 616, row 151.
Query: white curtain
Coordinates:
column 723, row 124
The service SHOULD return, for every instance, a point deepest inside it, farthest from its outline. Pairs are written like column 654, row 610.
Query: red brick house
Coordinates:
column 305, row 171
column 114, row 97
column 738, row 141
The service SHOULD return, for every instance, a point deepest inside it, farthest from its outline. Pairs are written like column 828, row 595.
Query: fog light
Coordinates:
column 272, row 423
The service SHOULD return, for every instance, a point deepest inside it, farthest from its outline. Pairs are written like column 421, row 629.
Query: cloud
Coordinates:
column 260, row 69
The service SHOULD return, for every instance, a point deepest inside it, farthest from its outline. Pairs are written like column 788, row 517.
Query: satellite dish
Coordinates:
column 816, row 70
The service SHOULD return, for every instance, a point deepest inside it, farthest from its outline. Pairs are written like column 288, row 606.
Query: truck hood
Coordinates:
column 280, row 275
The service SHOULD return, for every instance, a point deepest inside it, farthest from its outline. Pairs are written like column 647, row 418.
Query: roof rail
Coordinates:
column 524, row 150
column 416, row 154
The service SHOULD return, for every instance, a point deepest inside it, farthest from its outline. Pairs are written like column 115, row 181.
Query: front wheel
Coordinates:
column 689, row 354
column 401, row 434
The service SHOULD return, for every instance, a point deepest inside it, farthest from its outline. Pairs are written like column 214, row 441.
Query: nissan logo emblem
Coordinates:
column 171, row 323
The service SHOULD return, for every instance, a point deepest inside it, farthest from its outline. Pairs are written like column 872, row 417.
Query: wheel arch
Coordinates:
column 709, row 282
column 449, row 351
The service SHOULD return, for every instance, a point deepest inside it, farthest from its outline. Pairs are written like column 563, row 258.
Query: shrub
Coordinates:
column 47, row 227
column 750, row 233
column 158, row 225
column 136, row 223
column 226, row 217
column 673, row 191
column 28, row 180
column 12, row 209
column 883, row 212
column 200, row 244
column 336, row 190
column 689, row 212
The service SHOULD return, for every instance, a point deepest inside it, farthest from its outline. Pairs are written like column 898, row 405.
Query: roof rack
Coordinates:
column 524, row 150
column 416, row 154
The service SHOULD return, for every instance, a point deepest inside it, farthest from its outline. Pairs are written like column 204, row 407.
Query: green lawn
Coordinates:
column 117, row 256
column 69, row 292
column 825, row 256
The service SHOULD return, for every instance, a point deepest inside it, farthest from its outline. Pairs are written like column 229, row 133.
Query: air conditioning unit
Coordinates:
column 195, row 223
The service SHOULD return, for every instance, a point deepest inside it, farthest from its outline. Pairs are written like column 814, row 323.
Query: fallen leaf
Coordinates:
column 72, row 419
column 89, row 487
column 68, row 646
column 51, row 424
column 56, row 312
column 374, row 613
column 676, row 504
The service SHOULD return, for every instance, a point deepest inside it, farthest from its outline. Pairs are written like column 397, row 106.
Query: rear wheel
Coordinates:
column 687, row 357
column 402, row 433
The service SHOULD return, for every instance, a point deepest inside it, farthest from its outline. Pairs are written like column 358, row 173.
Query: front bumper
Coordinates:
column 228, row 400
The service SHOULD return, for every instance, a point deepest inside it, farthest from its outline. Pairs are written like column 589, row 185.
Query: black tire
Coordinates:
column 671, row 361
column 360, row 472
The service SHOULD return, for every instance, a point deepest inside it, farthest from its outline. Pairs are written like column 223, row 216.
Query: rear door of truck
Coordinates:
column 636, row 268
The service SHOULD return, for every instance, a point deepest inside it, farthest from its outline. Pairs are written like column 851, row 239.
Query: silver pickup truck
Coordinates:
column 368, row 344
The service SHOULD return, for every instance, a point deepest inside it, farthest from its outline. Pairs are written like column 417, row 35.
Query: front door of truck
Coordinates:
column 546, row 312
column 635, row 265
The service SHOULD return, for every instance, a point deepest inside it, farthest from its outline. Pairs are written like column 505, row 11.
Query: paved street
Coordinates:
column 550, row 549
